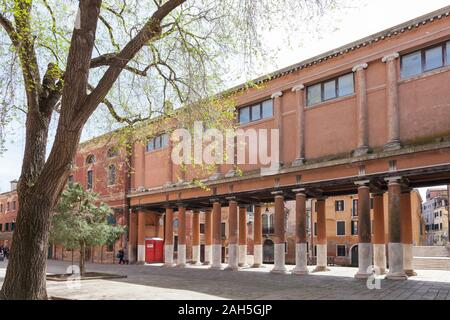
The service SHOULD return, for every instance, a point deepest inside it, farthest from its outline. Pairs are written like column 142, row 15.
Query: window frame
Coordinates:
column 152, row 142
column 337, row 207
column 110, row 167
column 90, row 186
column 340, row 222
column 250, row 108
column 445, row 61
column 336, row 89
column 337, row 250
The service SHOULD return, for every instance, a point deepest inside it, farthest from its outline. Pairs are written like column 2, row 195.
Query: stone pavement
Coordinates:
column 198, row 283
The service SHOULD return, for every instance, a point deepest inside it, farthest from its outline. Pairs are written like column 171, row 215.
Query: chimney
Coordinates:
column 13, row 185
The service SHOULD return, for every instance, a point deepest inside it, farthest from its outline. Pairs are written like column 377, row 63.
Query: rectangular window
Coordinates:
column 175, row 243
column 158, row 142
column 412, row 64
column 339, row 204
column 433, row 58
column 151, row 145
column 7, row 206
column 425, row 60
column 447, row 50
column 14, row 205
column 340, row 228
column 1, row 227
column 346, row 85
column 314, row 94
column 6, row 227
column 202, row 228
column 244, row 115
column 315, row 229
column 341, row 251
column 354, row 228
column 355, row 208
column 222, row 230
column 90, row 179
column 267, row 109
column 164, row 140
column 13, row 226
column 331, row 89
column 256, row 112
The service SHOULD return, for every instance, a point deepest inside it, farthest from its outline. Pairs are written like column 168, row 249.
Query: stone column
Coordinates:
column 301, row 243
column 168, row 244
column 243, row 236
column 278, row 115
column 232, row 236
column 208, row 237
column 132, row 238
column 407, row 236
column 181, row 261
column 395, row 247
column 393, row 113
column 257, row 238
column 280, row 235
column 196, row 237
column 322, row 250
column 141, row 237
column 379, row 234
column 362, row 110
column 217, row 237
column 300, row 95
column 365, row 253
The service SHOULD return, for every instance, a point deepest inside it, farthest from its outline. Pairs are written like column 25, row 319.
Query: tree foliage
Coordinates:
column 80, row 221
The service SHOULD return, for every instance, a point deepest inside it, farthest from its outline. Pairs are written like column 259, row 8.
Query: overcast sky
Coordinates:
column 367, row 17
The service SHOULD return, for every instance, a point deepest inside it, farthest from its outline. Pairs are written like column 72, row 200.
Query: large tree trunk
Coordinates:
column 29, row 250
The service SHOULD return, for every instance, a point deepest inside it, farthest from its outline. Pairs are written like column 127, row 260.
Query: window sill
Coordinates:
column 426, row 74
column 248, row 124
column 328, row 102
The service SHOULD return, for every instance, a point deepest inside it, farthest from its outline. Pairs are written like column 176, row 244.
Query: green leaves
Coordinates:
column 81, row 218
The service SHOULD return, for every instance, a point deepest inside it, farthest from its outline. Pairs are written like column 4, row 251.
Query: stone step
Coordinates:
column 431, row 251
column 431, row 263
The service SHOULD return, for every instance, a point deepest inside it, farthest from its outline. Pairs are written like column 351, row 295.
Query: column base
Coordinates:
column 411, row 273
column 257, row 256
column 392, row 146
column 141, row 254
column 299, row 162
column 216, row 257
column 361, row 151
column 365, row 256
column 257, row 266
column 300, row 272
column 396, row 277
column 321, row 269
column 279, row 263
column 208, row 255
column 379, row 258
column 181, row 266
column 396, row 269
column 206, row 263
column 169, row 265
column 231, row 268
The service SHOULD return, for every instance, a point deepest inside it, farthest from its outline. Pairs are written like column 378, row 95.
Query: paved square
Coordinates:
column 198, row 283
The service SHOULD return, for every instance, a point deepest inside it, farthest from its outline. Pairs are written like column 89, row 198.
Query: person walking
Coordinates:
column 120, row 256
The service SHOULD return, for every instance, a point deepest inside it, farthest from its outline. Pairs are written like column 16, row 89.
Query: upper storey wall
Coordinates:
column 385, row 111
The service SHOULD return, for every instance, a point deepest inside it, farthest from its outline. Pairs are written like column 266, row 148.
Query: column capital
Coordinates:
column 393, row 180
column 277, row 193
column 362, row 183
column 299, row 191
column 359, row 67
column 277, row 95
column 390, row 57
column 298, row 87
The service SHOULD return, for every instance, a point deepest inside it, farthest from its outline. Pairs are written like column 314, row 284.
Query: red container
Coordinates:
column 154, row 250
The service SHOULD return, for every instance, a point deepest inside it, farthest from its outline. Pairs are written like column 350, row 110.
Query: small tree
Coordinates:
column 80, row 221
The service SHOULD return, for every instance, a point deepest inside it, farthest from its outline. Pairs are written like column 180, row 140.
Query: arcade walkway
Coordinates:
column 200, row 283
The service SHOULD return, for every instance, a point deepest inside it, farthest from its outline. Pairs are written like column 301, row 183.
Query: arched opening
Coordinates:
column 90, row 159
column 268, row 251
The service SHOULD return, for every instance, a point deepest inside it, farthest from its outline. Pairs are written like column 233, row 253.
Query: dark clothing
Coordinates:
column 121, row 255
